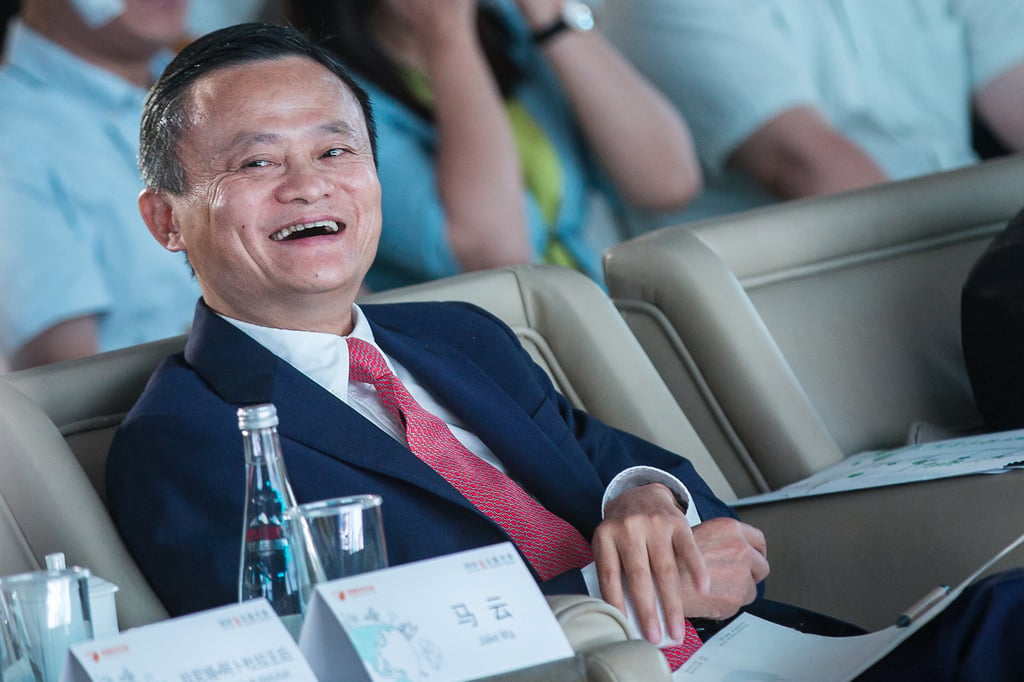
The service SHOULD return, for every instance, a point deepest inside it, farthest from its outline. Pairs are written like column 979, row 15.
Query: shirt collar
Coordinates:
column 320, row 356
column 44, row 61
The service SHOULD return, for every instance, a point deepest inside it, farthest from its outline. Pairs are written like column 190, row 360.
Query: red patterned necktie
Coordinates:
column 551, row 544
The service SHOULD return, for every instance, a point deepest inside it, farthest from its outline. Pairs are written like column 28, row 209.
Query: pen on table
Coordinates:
column 926, row 602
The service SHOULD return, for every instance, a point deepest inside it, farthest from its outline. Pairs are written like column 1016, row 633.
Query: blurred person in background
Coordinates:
column 498, row 121
column 204, row 17
column 992, row 329
column 78, row 269
column 8, row 8
column 793, row 98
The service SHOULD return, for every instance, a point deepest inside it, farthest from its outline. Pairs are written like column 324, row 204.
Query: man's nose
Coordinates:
column 304, row 182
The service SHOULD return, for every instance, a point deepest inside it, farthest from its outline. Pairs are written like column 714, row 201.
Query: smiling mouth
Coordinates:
column 317, row 229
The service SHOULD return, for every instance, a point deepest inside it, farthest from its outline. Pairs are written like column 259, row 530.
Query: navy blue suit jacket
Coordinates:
column 175, row 476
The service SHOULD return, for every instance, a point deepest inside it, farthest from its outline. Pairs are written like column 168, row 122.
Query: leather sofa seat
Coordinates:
column 797, row 334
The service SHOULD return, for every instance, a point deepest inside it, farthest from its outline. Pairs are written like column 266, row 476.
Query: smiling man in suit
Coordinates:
column 262, row 170
column 258, row 155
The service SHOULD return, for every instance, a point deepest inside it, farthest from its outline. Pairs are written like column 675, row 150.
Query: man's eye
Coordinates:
column 258, row 163
column 336, row 151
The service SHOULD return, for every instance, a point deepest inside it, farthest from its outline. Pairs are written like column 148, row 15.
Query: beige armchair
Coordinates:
column 795, row 335
column 56, row 423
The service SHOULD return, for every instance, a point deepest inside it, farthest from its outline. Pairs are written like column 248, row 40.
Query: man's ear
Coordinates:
column 159, row 217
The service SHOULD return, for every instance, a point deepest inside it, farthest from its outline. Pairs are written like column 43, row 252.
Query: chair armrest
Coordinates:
column 573, row 669
column 636, row 660
column 863, row 555
column 606, row 642
column 589, row 622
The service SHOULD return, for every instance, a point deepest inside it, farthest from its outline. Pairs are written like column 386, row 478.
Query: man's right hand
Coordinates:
column 428, row 25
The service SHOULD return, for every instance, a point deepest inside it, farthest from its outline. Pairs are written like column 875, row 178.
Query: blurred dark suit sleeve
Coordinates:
column 992, row 329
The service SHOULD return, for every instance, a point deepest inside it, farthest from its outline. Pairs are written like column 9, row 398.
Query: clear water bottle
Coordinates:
column 270, row 566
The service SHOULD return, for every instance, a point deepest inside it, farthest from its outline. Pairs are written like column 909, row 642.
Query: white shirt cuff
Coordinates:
column 642, row 475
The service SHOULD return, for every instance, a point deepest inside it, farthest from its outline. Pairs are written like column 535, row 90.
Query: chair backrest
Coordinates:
column 800, row 333
column 571, row 328
column 57, row 421
column 50, row 415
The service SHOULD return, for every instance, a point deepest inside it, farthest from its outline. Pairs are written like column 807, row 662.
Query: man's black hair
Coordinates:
column 166, row 113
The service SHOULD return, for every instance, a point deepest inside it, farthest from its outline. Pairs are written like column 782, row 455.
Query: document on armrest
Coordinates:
column 986, row 453
column 751, row 648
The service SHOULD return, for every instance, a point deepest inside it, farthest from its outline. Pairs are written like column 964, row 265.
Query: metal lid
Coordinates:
column 257, row 417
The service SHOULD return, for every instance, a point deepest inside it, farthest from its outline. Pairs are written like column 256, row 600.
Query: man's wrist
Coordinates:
column 682, row 503
column 644, row 475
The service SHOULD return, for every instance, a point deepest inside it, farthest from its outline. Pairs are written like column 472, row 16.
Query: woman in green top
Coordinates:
column 497, row 120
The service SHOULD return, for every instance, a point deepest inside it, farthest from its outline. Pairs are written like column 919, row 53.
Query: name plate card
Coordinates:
column 243, row 642
column 458, row 617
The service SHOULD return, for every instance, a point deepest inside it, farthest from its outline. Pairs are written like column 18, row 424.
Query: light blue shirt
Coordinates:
column 414, row 245
column 73, row 242
column 894, row 76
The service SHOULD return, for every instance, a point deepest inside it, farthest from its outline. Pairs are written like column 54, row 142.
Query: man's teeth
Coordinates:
column 327, row 226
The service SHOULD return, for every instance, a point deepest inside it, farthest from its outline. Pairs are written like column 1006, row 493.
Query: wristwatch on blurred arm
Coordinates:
column 575, row 16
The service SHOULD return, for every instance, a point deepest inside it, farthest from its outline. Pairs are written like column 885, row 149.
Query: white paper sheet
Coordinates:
column 988, row 453
column 751, row 649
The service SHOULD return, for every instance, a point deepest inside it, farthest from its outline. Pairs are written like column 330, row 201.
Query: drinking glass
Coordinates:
column 50, row 611
column 15, row 665
column 338, row 537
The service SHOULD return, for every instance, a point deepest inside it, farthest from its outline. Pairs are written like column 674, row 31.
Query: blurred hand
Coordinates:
column 428, row 23
column 540, row 13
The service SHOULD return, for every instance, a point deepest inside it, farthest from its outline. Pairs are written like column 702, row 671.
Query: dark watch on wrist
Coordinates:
column 575, row 16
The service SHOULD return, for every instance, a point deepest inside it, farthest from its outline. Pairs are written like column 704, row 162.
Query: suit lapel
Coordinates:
column 454, row 379
column 242, row 372
column 505, row 425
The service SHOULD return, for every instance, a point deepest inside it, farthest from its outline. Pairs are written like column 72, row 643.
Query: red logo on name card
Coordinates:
column 362, row 591
column 112, row 651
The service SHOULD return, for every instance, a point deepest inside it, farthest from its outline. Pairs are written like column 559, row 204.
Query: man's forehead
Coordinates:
column 263, row 80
